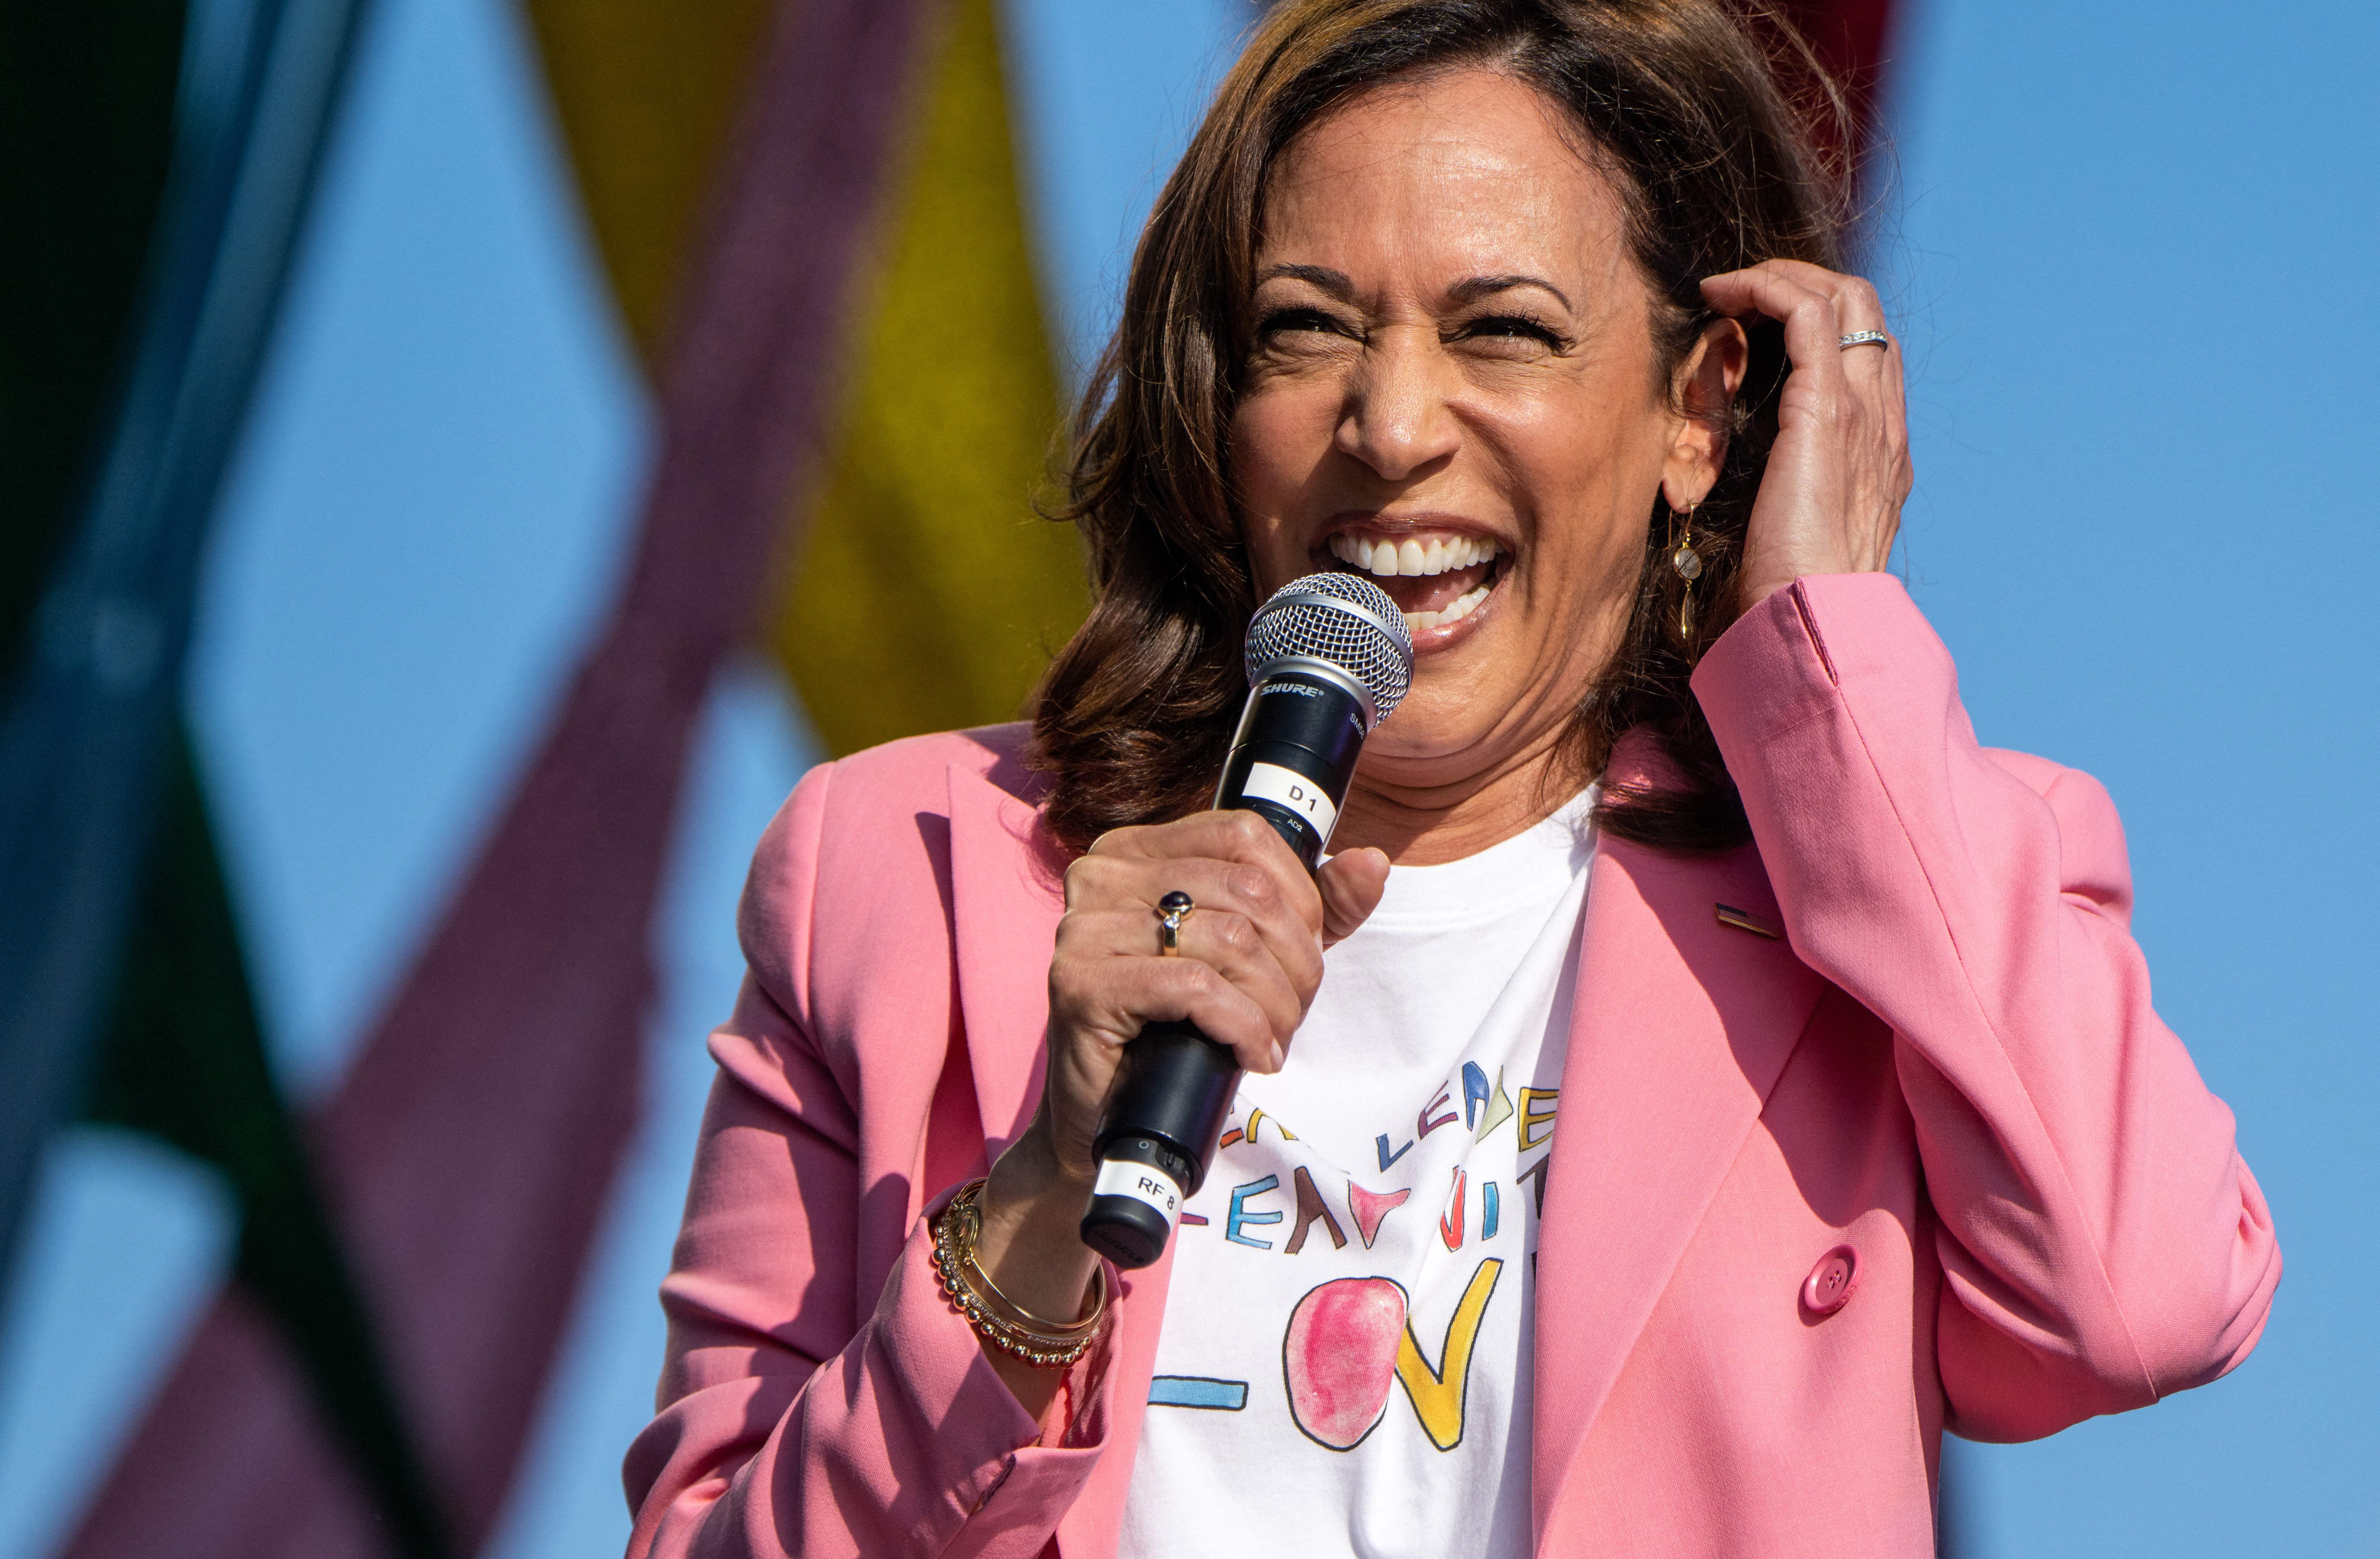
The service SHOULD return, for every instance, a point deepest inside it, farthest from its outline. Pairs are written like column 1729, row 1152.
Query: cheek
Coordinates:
column 1278, row 442
column 1589, row 477
column 1280, row 434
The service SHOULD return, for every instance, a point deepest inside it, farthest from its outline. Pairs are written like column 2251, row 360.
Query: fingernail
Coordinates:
column 1276, row 1056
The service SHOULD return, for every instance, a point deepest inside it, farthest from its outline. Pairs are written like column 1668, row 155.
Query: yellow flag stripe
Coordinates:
column 646, row 94
column 927, row 594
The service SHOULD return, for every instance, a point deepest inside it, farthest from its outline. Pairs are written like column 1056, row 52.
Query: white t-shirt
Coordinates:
column 1344, row 1366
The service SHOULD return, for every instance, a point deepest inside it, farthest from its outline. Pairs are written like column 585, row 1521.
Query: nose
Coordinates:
column 1397, row 419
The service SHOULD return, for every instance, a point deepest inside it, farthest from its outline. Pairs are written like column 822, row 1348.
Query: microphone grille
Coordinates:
column 1340, row 619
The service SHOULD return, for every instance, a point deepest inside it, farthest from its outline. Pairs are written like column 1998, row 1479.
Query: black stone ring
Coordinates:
column 1171, row 911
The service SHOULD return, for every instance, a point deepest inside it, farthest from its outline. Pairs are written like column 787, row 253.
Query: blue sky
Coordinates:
column 2125, row 259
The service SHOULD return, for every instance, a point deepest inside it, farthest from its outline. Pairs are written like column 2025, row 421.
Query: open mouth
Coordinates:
column 1437, row 579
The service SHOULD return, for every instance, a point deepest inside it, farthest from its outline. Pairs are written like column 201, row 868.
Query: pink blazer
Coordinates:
column 1949, row 1063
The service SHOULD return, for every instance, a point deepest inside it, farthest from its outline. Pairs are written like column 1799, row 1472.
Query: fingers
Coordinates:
column 1840, row 471
column 1227, row 860
column 1351, row 883
column 1237, row 836
column 1797, row 297
column 1227, row 942
column 1112, row 999
column 1250, row 948
column 1220, row 891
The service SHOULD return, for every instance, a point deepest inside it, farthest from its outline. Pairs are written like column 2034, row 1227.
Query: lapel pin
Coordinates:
column 1728, row 914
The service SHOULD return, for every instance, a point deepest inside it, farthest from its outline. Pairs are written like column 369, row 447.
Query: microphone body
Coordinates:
column 1329, row 656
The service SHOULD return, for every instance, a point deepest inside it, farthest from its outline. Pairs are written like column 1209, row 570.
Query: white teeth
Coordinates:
column 1386, row 559
column 1456, row 610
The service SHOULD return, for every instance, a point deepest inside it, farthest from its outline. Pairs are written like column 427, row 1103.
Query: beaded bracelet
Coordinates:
column 1042, row 1344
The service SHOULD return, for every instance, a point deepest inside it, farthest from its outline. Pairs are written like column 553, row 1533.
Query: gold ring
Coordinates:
column 1171, row 911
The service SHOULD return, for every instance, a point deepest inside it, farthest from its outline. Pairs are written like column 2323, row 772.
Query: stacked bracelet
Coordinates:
column 1045, row 1345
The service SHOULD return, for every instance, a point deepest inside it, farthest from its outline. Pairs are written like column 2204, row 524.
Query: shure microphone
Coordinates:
column 1329, row 657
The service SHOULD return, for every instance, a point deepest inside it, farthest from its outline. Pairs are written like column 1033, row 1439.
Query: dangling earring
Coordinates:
column 1689, row 564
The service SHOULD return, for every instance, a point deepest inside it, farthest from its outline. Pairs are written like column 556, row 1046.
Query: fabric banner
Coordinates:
column 94, row 695
column 469, row 1152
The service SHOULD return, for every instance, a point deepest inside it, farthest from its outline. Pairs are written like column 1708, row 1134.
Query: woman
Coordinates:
column 1703, row 1074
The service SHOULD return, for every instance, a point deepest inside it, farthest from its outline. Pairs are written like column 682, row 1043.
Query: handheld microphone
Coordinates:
column 1329, row 657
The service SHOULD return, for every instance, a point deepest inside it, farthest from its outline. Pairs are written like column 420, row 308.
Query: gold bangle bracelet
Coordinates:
column 980, row 1280
column 969, row 1206
column 1036, row 1342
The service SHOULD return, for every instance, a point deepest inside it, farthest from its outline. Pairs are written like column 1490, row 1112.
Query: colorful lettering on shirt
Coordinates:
column 1197, row 1391
column 1438, row 1394
column 1500, row 1110
column 1388, row 1158
column 1258, row 1116
column 1537, row 1172
column 1429, row 1122
column 1350, row 1337
column 1339, row 1356
column 1531, row 1119
column 1370, row 1207
column 1475, row 1092
column 1311, row 1206
column 1490, row 1207
column 1450, row 1223
column 1240, row 1218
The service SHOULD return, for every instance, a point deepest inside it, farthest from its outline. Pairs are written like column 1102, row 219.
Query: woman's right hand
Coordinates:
column 1251, row 960
column 1251, row 954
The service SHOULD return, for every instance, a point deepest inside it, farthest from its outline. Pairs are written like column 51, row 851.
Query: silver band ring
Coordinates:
column 1864, row 338
column 1171, row 911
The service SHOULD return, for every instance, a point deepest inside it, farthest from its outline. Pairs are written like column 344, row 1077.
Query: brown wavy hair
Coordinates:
column 1680, row 102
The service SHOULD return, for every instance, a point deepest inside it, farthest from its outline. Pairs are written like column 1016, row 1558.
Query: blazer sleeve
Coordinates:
column 2101, row 1241
column 794, row 1419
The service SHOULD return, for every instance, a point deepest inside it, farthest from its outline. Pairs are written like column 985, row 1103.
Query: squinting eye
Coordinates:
column 1511, row 327
column 1284, row 320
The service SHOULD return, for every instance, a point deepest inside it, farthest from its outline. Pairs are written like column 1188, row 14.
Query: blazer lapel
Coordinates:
column 1680, row 1026
column 1005, row 910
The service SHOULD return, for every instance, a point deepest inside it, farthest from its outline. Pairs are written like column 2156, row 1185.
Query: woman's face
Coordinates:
column 1453, row 390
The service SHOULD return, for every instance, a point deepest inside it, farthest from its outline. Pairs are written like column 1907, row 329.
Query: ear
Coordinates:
column 1703, row 390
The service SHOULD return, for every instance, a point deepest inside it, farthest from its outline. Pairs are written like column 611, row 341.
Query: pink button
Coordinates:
column 1830, row 1283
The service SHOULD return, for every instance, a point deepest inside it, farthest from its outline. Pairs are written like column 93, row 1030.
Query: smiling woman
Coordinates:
column 1680, row 846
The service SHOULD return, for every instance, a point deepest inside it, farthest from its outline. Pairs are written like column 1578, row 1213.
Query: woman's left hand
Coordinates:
column 1830, row 500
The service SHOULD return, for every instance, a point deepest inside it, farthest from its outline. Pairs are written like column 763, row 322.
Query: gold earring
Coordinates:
column 1689, row 564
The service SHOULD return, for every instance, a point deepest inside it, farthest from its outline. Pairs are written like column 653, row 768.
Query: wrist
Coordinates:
column 1031, row 1244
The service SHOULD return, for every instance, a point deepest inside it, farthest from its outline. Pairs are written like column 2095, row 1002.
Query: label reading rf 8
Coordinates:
column 1120, row 1178
column 1287, row 787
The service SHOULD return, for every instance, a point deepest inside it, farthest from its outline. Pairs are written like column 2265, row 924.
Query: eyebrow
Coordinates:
column 1335, row 283
column 1469, row 290
column 1476, row 287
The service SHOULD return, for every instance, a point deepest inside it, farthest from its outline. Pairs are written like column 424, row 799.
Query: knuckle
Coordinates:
column 1082, row 876
column 1236, row 932
column 1252, row 887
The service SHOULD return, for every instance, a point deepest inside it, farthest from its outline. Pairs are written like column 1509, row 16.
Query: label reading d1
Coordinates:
column 1287, row 787
column 1120, row 1178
